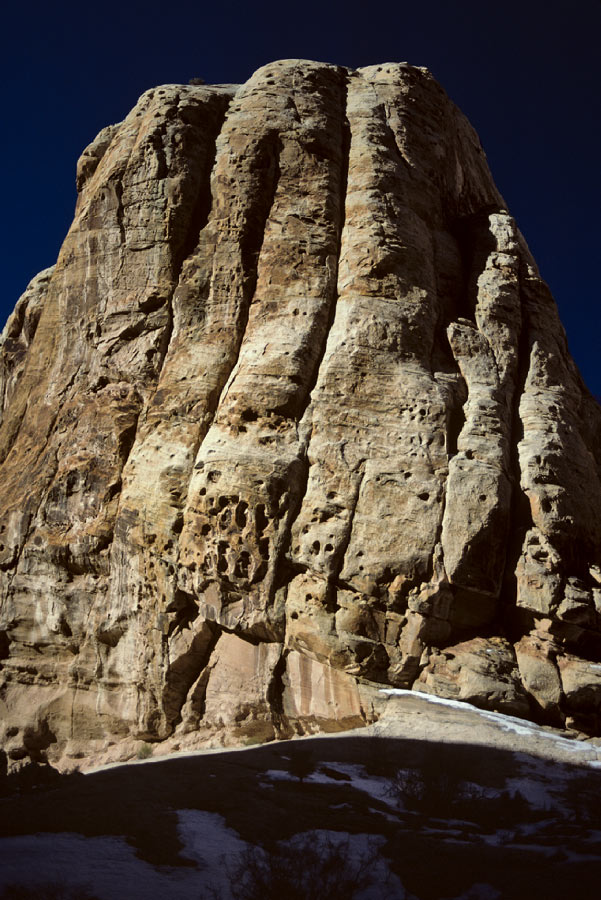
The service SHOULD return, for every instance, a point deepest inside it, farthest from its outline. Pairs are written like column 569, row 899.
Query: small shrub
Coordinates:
column 428, row 793
column 301, row 764
column 313, row 867
column 196, row 81
column 145, row 751
column 378, row 759
column 445, row 795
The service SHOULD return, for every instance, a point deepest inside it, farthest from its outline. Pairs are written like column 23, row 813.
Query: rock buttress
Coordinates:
column 292, row 417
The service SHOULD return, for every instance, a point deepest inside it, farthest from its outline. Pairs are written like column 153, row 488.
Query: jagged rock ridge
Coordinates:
column 293, row 416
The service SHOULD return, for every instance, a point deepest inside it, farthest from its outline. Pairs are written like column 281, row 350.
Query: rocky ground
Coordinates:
column 436, row 800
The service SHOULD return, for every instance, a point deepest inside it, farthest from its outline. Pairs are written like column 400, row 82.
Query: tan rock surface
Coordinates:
column 483, row 672
column 292, row 415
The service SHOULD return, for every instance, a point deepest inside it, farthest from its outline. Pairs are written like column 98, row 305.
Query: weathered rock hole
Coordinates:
column 424, row 496
column 214, row 475
column 315, row 547
column 178, row 524
column 294, row 615
column 202, row 492
column 242, row 564
column 328, row 548
column 205, row 529
column 264, row 547
column 362, row 651
column 241, row 517
column 261, row 519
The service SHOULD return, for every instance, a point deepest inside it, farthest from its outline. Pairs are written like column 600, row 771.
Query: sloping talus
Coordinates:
column 292, row 417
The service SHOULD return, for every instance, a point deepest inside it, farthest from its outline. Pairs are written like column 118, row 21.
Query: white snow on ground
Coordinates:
column 536, row 793
column 216, row 848
column 106, row 866
column 507, row 723
column 279, row 775
column 376, row 787
column 110, row 869
column 372, row 785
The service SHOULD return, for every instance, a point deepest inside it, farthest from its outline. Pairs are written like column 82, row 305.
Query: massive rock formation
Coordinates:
column 292, row 417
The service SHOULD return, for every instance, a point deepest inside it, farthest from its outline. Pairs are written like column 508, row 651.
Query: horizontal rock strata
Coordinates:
column 292, row 417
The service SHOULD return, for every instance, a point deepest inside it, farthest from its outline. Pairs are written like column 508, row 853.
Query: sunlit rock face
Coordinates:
column 292, row 417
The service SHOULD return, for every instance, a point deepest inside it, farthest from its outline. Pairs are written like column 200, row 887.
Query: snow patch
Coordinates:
column 214, row 846
column 107, row 866
column 507, row 723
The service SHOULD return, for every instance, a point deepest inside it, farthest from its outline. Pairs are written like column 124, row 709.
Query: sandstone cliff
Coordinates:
column 292, row 417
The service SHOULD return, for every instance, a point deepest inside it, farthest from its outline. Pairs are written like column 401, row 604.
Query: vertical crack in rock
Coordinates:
column 338, row 563
column 253, row 437
column 251, row 242
column 333, row 301
column 119, row 212
column 275, row 697
column 304, row 413
column 189, row 655
column 475, row 533
column 521, row 517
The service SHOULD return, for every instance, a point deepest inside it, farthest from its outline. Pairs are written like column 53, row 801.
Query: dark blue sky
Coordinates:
column 527, row 74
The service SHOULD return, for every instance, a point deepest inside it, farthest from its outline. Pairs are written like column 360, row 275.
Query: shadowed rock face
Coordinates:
column 292, row 416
